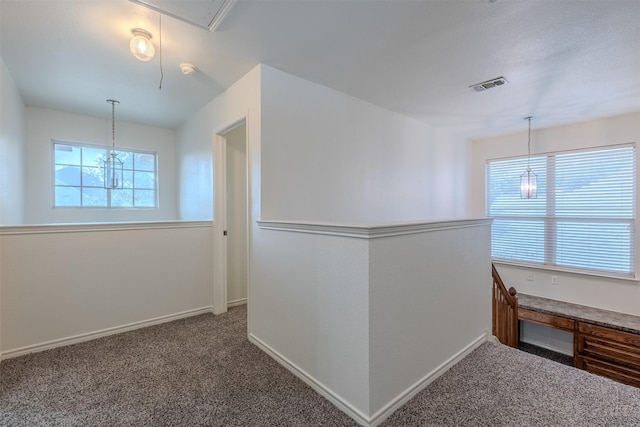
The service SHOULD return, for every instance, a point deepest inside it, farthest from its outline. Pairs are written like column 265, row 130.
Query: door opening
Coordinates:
column 236, row 215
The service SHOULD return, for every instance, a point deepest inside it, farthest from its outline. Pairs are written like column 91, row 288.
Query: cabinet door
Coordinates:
column 612, row 351
column 609, row 334
column 608, row 352
column 609, row 370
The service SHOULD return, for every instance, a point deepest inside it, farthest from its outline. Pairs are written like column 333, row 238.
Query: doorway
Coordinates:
column 236, row 215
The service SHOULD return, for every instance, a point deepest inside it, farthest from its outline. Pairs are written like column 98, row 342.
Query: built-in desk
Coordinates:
column 605, row 342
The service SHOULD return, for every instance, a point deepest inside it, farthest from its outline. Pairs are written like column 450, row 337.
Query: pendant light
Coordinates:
column 529, row 180
column 113, row 166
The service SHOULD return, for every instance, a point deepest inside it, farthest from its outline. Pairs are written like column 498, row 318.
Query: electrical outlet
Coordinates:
column 554, row 280
column 530, row 277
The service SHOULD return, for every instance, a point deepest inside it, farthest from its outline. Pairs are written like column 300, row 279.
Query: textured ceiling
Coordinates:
column 565, row 60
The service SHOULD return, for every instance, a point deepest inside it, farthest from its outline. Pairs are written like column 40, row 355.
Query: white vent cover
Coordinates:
column 498, row 81
column 206, row 14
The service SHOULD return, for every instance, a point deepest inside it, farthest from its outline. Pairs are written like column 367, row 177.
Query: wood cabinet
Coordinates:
column 608, row 352
column 605, row 343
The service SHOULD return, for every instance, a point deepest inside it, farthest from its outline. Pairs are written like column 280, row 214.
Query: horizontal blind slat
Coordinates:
column 586, row 221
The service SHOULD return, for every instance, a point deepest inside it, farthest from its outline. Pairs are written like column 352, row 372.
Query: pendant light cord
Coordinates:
column 160, row 31
column 113, row 103
column 529, row 144
column 113, row 126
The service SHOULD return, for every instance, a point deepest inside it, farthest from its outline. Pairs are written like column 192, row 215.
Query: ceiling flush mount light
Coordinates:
column 141, row 46
column 529, row 180
column 113, row 171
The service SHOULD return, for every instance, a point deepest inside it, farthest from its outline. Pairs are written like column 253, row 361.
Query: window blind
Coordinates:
column 582, row 219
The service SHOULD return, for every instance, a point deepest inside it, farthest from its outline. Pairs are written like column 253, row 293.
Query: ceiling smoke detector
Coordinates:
column 498, row 81
column 187, row 69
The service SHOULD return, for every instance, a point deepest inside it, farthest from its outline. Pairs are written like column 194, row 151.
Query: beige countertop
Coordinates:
column 606, row 318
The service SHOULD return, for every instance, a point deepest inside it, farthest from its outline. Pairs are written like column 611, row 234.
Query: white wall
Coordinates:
column 195, row 143
column 601, row 292
column 195, row 151
column 370, row 315
column 310, row 305
column 12, row 158
column 45, row 124
column 60, row 283
column 547, row 337
column 430, row 298
column 194, row 165
column 330, row 157
column 12, row 150
column 315, row 153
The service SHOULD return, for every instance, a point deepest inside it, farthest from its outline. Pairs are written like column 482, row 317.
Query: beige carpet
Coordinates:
column 202, row 371
column 501, row 386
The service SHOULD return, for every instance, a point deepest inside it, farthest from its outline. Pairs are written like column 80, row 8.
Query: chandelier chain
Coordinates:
column 113, row 103
column 113, row 125
column 529, row 144
column 113, row 173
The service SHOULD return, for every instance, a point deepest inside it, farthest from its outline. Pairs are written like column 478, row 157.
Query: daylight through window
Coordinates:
column 583, row 218
column 79, row 178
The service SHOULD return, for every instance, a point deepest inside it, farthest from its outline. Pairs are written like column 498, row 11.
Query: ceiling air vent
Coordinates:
column 498, row 81
column 206, row 14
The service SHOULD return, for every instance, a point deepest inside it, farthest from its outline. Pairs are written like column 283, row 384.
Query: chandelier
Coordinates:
column 113, row 170
column 529, row 180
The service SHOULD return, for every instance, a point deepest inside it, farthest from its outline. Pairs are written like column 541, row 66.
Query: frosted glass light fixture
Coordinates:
column 529, row 180
column 113, row 166
column 141, row 46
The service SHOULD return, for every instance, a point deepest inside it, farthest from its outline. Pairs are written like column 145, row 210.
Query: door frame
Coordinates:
column 220, row 215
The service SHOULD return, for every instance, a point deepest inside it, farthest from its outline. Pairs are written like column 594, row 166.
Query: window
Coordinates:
column 583, row 218
column 79, row 178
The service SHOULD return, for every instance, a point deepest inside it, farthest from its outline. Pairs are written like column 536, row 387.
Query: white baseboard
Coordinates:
column 494, row 339
column 320, row 388
column 409, row 393
column 390, row 407
column 234, row 303
column 101, row 333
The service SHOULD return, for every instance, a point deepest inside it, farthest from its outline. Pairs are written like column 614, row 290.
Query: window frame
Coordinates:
column 552, row 220
column 53, row 165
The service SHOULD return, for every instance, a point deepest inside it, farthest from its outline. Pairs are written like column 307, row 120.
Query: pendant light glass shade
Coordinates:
column 528, row 185
column 141, row 46
column 529, row 180
column 113, row 171
column 113, row 166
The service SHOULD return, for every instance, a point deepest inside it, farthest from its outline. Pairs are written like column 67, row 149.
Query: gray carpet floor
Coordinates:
column 202, row 371
column 500, row 386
